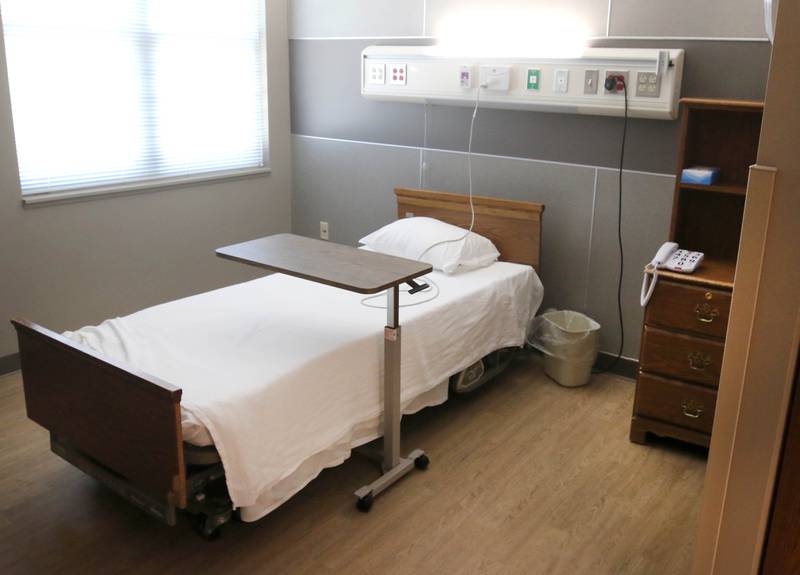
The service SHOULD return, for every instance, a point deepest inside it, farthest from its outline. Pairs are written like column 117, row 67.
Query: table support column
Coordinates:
column 394, row 466
column 391, row 381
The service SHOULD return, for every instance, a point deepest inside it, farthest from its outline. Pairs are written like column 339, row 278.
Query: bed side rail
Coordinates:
column 119, row 418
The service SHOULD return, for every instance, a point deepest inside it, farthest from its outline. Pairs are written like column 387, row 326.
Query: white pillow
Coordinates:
column 442, row 245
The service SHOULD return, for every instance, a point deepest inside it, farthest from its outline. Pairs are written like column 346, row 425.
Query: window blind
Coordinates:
column 106, row 93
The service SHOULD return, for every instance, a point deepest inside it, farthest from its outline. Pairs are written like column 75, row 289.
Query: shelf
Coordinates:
column 732, row 189
column 714, row 104
column 712, row 272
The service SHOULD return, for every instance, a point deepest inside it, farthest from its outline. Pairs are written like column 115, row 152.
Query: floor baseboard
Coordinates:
column 625, row 367
column 9, row 363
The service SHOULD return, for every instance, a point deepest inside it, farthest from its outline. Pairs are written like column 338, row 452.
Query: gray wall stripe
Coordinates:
column 483, row 155
column 591, row 237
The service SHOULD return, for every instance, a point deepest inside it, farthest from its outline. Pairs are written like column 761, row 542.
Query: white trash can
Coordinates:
column 570, row 342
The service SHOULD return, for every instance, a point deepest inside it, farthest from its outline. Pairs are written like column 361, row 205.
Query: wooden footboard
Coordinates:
column 117, row 424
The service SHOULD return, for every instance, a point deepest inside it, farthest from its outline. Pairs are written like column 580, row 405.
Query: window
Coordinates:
column 129, row 93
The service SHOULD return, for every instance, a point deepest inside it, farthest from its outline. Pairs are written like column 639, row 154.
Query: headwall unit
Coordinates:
column 593, row 82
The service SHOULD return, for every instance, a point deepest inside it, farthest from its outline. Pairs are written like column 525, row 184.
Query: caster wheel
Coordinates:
column 213, row 535
column 422, row 462
column 206, row 529
column 364, row 504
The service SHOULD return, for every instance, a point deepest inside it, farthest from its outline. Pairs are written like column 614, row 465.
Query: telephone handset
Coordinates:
column 671, row 258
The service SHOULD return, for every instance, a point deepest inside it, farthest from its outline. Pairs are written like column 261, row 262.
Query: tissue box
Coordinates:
column 700, row 175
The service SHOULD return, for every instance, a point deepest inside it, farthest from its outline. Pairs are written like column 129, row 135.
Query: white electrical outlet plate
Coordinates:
column 496, row 78
column 591, row 79
column 648, row 84
column 561, row 81
column 323, row 231
column 397, row 74
column 465, row 77
column 376, row 74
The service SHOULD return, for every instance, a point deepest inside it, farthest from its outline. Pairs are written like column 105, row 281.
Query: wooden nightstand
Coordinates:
column 683, row 338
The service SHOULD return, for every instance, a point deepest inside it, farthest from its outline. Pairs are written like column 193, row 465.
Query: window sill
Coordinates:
column 137, row 187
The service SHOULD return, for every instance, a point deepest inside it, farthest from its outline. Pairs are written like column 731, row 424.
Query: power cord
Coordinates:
column 366, row 301
column 612, row 83
column 469, row 175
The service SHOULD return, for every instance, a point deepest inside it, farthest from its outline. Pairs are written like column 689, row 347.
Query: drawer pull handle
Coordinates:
column 706, row 313
column 699, row 361
column 692, row 409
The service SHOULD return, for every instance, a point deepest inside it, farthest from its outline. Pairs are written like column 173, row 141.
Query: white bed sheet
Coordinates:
column 285, row 375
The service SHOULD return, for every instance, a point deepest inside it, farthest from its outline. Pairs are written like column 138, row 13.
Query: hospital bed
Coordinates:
column 169, row 408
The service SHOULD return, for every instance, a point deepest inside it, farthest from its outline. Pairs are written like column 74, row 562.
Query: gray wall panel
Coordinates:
column 326, row 97
column 646, row 210
column 708, row 18
column 588, row 140
column 713, row 69
column 327, row 102
column 315, row 18
column 349, row 185
column 566, row 192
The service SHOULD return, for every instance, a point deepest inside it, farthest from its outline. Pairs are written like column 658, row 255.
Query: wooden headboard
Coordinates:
column 514, row 227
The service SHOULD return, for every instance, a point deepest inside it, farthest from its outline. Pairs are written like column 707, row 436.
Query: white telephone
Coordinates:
column 671, row 258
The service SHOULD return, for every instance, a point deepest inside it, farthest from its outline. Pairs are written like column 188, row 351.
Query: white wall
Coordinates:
column 630, row 18
column 78, row 263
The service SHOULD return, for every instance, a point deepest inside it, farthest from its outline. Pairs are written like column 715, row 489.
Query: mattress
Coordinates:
column 284, row 376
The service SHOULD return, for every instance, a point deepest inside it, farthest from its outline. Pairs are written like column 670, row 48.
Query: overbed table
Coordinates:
column 362, row 272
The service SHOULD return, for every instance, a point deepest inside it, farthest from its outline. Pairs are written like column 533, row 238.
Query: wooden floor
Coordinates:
column 525, row 477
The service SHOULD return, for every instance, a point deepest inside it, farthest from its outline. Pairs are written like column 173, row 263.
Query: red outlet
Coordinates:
column 620, row 81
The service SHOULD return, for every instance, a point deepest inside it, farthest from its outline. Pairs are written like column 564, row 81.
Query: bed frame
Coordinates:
column 123, row 426
column 514, row 227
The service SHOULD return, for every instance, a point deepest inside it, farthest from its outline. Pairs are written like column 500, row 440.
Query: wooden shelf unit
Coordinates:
column 685, row 321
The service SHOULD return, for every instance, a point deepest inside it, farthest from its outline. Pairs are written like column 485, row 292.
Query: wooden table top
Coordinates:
column 324, row 262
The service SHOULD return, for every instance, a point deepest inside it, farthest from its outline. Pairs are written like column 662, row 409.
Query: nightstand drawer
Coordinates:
column 675, row 402
column 682, row 356
column 690, row 308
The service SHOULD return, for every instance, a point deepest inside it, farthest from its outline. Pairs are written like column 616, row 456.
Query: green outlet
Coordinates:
column 534, row 78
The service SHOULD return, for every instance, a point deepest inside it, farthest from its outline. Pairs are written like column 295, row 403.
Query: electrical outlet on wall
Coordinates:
column 561, row 81
column 496, row 78
column 323, row 231
column 620, row 83
column 465, row 77
column 376, row 74
column 397, row 74
column 591, row 78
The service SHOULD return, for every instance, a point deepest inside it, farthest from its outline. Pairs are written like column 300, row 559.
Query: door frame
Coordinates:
column 763, row 334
